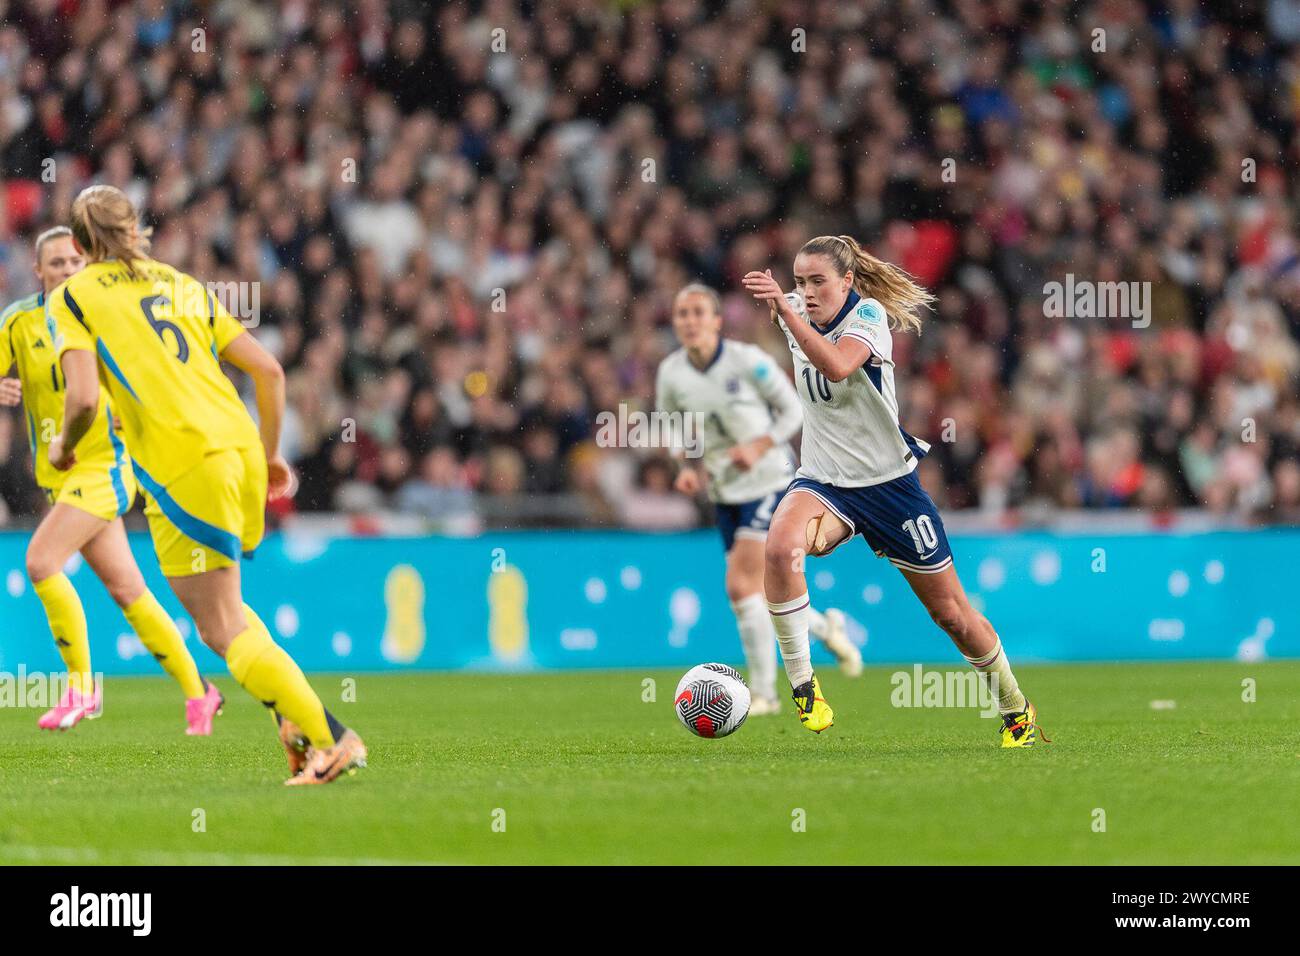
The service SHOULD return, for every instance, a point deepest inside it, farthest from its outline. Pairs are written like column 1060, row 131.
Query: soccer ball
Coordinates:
column 712, row 700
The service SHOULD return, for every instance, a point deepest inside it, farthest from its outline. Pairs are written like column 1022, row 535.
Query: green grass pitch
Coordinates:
column 586, row 772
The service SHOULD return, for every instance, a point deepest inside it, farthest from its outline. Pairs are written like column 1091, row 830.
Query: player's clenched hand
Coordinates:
column 59, row 458
column 745, row 456
column 11, row 391
column 281, row 482
column 687, row 481
column 763, row 287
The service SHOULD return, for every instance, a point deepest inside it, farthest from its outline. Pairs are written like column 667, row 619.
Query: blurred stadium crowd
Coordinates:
column 467, row 221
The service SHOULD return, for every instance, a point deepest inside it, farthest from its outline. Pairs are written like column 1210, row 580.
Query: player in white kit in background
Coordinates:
column 748, row 412
column 858, row 470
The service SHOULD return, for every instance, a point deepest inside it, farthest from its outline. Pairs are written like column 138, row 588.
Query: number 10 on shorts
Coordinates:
column 922, row 531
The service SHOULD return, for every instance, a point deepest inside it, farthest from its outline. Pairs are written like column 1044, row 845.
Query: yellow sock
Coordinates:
column 157, row 632
column 266, row 671
column 68, row 625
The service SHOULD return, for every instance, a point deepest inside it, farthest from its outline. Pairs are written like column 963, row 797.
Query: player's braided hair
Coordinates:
column 901, row 295
column 105, row 225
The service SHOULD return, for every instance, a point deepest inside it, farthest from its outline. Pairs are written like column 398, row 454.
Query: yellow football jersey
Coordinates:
column 157, row 336
column 25, row 341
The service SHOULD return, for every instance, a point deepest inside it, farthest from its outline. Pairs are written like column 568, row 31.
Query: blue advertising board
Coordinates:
column 572, row 599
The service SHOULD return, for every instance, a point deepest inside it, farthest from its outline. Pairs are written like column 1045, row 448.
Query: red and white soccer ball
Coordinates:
column 712, row 700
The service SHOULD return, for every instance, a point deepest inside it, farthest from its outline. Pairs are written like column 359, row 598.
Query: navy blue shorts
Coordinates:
column 897, row 519
column 749, row 519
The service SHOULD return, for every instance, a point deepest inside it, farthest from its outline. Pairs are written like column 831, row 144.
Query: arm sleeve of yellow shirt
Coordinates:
column 66, row 331
column 225, row 327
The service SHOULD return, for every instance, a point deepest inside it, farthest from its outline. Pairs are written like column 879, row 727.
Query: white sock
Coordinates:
column 816, row 623
column 759, row 641
column 996, row 671
column 790, row 620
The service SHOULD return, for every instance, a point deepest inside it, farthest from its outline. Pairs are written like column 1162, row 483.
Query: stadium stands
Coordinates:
column 467, row 221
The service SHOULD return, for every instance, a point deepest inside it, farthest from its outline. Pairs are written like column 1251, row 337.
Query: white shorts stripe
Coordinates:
column 921, row 568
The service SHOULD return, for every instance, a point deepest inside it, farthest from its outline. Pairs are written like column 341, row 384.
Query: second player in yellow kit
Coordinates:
column 156, row 338
column 101, row 482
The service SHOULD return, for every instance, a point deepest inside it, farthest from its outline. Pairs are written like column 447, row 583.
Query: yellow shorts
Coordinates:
column 210, row 516
column 107, row 492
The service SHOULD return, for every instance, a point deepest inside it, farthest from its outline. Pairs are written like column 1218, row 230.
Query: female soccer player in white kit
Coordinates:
column 748, row 413
column 858, row 468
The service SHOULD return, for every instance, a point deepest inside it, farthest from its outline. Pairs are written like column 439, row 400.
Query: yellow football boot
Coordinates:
column 1022, row 730
column 814, row 712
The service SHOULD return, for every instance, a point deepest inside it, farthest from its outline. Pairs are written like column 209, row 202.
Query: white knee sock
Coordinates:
column 790, row 620
column 996, row 671
column 759, row 641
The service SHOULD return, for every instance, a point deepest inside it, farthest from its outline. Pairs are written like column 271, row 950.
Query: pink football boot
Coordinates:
column 72, row 707
column 200, row 711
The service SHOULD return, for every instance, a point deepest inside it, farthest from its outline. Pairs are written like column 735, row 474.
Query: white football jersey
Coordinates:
column 851, row 435
column 741, row 395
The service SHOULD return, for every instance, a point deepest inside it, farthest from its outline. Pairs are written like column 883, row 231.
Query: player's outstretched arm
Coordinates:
column 781, row 398
column 836, row 360
column 80, row 403
column 247, row 354
column 687, row 480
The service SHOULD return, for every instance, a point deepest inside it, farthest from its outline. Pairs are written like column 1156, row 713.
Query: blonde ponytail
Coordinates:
column 901, row 295
column 105, row 225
